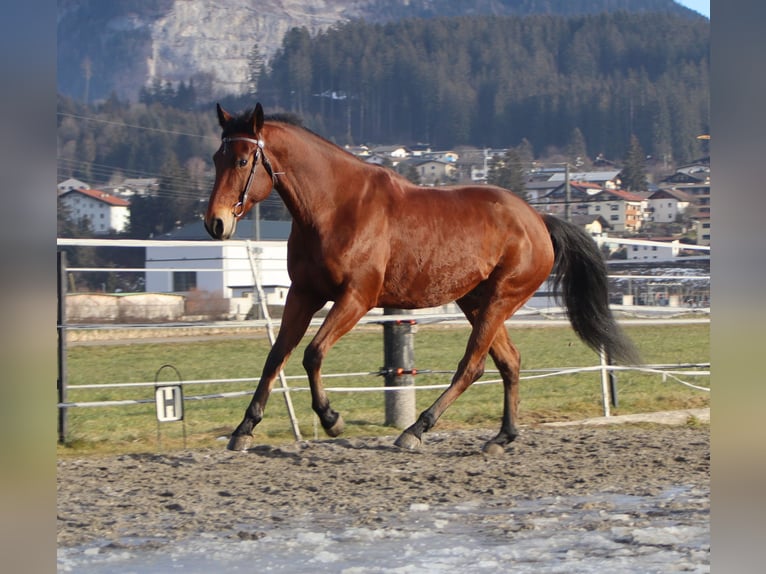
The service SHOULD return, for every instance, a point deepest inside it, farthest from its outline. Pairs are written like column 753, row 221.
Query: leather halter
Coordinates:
column 239, row 208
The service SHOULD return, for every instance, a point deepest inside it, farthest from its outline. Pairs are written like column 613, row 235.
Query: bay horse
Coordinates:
column 363, row 236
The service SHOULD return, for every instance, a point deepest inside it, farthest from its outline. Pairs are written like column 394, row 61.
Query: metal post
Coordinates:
column 612, row 383
column 608, row 386
column 399, row 370
column 61, row 383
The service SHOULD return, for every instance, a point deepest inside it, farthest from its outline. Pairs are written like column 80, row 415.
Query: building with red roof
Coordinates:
column 106, row 213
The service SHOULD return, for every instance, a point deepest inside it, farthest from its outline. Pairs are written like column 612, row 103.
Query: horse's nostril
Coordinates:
column 215, row 228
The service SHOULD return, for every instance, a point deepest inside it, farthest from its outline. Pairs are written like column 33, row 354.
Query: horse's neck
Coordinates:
column 305, row 174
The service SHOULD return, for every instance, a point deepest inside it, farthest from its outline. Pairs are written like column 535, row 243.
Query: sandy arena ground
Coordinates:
column 167, row 497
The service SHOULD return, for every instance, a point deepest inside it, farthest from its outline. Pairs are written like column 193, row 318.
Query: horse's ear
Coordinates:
column 257, row 118
column 223, row 115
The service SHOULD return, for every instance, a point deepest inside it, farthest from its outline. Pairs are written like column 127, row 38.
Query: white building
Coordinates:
column 668, row 252
column 106, row 213
column 222, row 268
column 665, row 205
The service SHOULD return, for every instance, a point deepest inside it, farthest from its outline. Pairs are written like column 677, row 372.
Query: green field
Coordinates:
column 133, row 428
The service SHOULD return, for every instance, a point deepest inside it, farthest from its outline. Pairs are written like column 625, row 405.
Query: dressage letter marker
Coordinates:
column 170, row 403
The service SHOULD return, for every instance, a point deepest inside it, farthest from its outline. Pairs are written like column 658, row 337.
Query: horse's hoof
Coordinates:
column 493, row 449
column 337, row 428
column 239, row 442
column 408, row 441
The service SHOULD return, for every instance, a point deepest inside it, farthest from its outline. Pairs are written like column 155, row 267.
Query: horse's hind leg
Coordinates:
column 507, row 358
column 471, row 367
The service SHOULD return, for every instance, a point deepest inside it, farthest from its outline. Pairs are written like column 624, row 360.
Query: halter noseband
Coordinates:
column 239, row 207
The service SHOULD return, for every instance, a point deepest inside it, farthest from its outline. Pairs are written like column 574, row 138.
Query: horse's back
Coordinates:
column 492, row 214
column 446, row 241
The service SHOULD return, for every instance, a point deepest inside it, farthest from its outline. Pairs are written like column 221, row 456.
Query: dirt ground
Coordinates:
column 172, row 496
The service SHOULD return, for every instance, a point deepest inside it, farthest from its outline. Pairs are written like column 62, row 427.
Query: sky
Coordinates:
column 701, row 6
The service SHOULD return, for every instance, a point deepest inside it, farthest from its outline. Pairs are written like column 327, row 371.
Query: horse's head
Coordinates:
column 243, row 174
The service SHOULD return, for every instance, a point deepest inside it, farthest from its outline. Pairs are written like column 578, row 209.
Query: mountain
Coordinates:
column 121, row 46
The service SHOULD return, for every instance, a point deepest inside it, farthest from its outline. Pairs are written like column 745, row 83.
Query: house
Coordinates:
column 698, row 169
column 475, row 163
column 394, row 152
column 223, row 268
column 445, row 156
column 130, row 187
column 105, row 212
column 357, row 150
column 702, row 226
column 581, row 193
column 690, row 176
column 478, row 173
column 596, row 225
column 623, row 209
column 547, row 186
column 71, row 184
column 664, row 205
column 420, row 149
column 435, row 172
column 537, row 190
column 694, row 181
column 606, row 179
column 377, row 159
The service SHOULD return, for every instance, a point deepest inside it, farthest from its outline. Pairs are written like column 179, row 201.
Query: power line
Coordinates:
column 132, row 126
column 175, row 186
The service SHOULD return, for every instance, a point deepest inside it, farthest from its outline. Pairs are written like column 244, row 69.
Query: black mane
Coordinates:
column 286, row 118
column 243, row 123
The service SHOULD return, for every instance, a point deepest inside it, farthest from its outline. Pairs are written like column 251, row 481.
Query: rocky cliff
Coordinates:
column 121, row 45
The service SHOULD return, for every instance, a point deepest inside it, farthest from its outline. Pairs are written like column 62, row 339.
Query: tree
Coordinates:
column 409, row 171
column 70, row 227
column 507, row 172
column 577, row 152
column 487, row 81
column 186, row 96
column 633, row 174
column 256, row 66
column 174, row 204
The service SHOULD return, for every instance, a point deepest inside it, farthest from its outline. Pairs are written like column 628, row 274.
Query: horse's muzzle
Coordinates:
column 217, row 228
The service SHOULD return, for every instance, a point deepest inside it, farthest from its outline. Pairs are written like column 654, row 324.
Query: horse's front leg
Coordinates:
column 299, row 309
column 340, row 320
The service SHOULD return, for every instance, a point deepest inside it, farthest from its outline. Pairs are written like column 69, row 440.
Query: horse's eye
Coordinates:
column 242, row 162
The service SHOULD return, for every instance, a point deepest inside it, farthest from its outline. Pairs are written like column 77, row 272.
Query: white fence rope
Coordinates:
column 542, row 373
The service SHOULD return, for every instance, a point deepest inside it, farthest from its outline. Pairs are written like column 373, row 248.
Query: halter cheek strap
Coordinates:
column 239, row 208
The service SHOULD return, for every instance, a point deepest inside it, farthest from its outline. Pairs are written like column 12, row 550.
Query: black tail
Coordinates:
column 580, row 277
